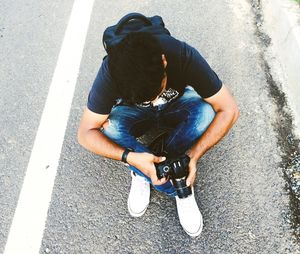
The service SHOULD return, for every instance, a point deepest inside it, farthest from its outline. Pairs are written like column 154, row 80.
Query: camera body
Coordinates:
column 176, row 169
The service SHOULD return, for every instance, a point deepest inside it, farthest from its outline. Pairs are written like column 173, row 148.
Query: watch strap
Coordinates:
column 125, row 154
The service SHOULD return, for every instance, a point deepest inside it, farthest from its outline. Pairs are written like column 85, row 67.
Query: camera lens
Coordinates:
column 183, row 191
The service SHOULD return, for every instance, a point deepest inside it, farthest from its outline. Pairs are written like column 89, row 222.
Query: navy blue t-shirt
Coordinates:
column 186, row 67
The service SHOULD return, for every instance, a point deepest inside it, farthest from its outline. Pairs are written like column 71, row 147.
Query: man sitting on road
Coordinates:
column 156, row 82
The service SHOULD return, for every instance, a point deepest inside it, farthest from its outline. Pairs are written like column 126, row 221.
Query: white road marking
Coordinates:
column 28, row 224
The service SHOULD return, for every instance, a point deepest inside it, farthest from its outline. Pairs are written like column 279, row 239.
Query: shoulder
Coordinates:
column 174, row 45
column 104, row 70
column 103, row 79
column 179, row 52
column 103, row 92
column 171, row 45
column 190, row 67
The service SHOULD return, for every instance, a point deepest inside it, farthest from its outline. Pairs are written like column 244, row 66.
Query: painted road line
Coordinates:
column 28, row 224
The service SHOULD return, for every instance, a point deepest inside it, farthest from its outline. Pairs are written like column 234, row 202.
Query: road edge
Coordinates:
column 282, row 21
column 269, row 20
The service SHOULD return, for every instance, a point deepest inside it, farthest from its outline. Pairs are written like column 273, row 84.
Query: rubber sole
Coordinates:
column 198, row 231
column 136, row 214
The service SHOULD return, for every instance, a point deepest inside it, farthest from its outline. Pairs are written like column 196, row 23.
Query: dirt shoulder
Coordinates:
column 277, row 29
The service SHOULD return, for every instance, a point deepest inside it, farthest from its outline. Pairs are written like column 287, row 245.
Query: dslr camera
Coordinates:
column 177, row 171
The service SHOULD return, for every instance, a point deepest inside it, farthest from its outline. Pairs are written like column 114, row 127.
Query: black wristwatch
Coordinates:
column 125, row 154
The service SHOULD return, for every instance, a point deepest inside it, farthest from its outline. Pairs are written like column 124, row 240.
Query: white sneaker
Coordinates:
column 189, row 215
column 139, row 196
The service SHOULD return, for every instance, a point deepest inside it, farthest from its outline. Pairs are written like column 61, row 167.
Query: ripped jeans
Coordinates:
column 188, row 117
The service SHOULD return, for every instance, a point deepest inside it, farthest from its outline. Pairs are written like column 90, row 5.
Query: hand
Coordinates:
column 192, row 172
column 145, row 163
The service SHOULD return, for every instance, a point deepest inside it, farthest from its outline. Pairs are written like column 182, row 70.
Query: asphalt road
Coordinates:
column 240, row 187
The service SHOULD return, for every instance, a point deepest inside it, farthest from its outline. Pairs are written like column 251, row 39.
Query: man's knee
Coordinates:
column 208, row 113
column 106, row 124
column 203, row 116
column 111, row 130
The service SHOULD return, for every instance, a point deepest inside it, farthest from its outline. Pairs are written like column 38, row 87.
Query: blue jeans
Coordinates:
column 188, row 117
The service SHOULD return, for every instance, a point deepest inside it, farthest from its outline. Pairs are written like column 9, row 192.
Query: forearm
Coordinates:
column 96, row 142
column 90, row 137
column 219, row 127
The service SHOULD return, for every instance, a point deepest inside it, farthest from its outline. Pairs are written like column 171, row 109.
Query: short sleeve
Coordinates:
column 198, row 74
column 102, row 95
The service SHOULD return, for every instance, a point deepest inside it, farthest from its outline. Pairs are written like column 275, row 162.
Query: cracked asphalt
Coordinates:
column 241, row 186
